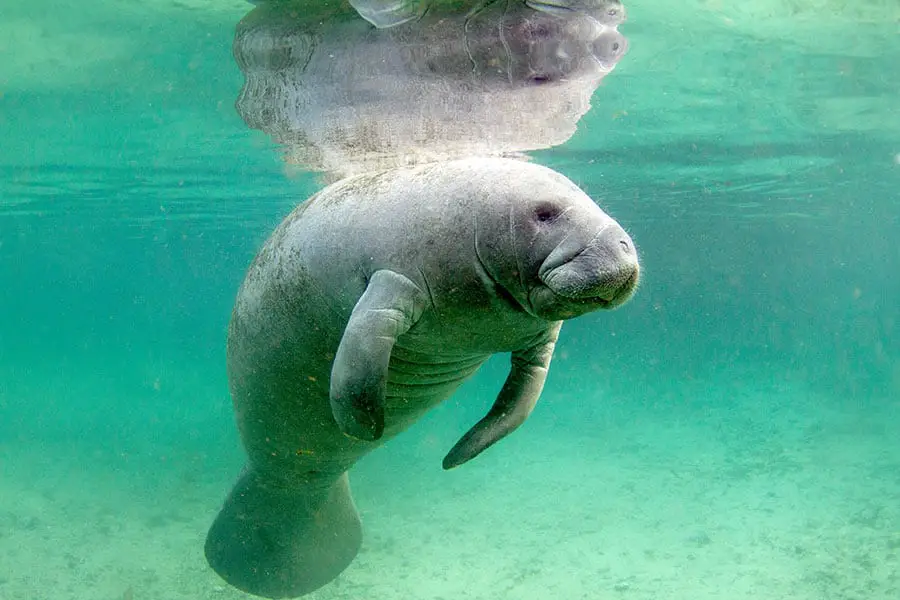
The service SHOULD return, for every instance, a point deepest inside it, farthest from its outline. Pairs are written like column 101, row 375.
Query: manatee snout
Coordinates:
column 602, row 272
column 612, row 264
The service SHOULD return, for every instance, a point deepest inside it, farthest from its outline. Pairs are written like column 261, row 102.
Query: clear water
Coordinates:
column 734, row 431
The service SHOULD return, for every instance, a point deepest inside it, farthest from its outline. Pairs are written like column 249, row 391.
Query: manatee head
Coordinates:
column 555, row 252
column 593, row 266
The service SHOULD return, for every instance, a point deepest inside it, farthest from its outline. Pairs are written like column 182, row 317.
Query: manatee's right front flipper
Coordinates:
column 387, row 309
column 281, row 541
column 514, row 403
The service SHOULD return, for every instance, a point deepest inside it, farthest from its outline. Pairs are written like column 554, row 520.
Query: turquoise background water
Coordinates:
column 753, row 153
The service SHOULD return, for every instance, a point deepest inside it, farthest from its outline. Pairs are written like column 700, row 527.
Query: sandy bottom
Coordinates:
column 715, row 489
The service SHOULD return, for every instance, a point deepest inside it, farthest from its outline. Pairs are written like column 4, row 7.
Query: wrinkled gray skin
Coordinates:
column 370, row 304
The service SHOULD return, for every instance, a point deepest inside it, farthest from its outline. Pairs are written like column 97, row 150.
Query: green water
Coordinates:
column 732, row 432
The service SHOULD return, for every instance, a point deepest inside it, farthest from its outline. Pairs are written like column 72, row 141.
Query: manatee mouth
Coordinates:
column 603, row 289
column 603, row 273
column 555, row 304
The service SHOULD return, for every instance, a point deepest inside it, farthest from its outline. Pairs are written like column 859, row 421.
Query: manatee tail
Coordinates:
column 280, row 542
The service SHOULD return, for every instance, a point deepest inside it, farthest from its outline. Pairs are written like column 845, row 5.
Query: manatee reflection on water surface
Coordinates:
column 487, row 78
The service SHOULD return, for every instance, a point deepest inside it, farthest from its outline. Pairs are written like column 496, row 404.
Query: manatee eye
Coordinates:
column 546, row 213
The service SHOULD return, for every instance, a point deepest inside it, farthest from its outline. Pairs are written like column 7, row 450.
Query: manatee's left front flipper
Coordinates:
column 387, row 309
column 514, row 403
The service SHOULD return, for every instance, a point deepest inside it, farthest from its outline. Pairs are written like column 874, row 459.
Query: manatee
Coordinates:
column 370, row 304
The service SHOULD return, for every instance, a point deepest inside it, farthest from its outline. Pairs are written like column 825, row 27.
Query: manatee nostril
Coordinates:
column 626, row 246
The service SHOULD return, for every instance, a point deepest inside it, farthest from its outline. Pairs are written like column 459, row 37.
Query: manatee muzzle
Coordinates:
column 604, row 271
